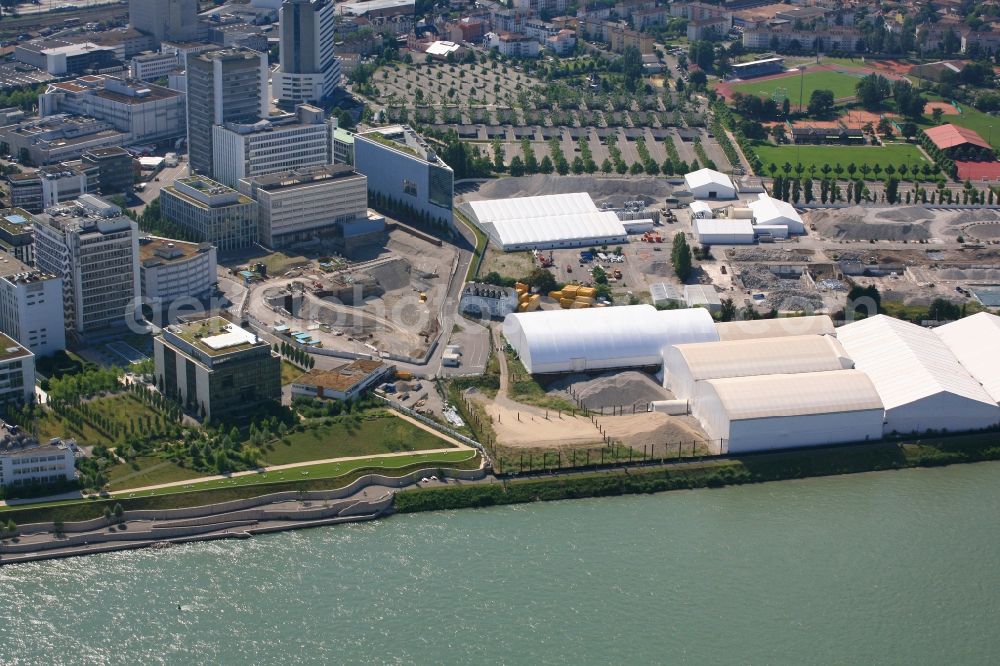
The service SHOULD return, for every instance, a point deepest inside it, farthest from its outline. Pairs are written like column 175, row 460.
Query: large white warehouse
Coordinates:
column 551, row 221
column 975, row 341
column 920, row 381
column 602, row 338
column 710, row 184
column 685, row 365
column 775, row 328
column 780, row 411
column 770, row 212
column 724, row 231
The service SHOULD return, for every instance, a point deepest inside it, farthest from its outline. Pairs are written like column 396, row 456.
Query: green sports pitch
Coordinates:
column 895, row 154
column 841, row 84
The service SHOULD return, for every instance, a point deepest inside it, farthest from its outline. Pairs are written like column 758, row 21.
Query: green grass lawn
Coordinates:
column 289, row 372
column 315, row 477
column 345, row 436
column 151, row 471
column 321, row 471
column 893, row 153
column 842, row 85
column 972, row 119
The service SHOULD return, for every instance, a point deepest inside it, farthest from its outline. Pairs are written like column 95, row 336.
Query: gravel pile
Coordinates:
column 796, row 300
column 611, row 390
column 392, row 275
column 766, row 254
column 976, row 216
column 907, row 214
column 758, row 278
column 660, row 268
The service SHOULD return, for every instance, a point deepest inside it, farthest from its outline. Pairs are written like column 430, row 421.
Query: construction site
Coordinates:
column 391, row 305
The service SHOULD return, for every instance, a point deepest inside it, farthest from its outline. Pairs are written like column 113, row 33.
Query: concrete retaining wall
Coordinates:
column 215, row 510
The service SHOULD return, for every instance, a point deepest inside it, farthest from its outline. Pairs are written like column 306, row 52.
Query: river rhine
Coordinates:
column 886, row 568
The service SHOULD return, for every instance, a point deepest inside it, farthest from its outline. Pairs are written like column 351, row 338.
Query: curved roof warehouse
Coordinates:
column 603, row 338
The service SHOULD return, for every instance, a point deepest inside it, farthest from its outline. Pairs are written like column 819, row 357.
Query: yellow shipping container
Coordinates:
column 577, row 305
column 555, row 295
column 566, row 302
column 570, row 290
column 585, row 299
column 532, row 305
column 586, row 291
column 536, row 297
column 523, row 307
column 524, row 297
column 520, row 286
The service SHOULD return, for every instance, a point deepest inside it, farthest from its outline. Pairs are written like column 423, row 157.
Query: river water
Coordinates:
column 887, row 568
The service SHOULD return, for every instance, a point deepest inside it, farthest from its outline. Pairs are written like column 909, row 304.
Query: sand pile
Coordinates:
column 908, row 214
column 611, row 390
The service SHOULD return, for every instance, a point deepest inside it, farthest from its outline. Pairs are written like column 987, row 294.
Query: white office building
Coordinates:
column 293, row 141
column 170, row 270
column 23, row 461
column 297, row 205
column 145, row 112
column 31, row 307
column 153, row 65
column 404, row 171
column 308, row 70
column 95, row 250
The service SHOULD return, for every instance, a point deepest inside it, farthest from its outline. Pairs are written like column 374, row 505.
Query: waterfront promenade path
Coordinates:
column 125, row 492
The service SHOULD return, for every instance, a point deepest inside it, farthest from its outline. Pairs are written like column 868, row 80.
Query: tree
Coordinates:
column 545, row 166
column 606, row 166
column 908, row 129
column 937, row 114
column 892, row 190
column 820, row 103
column 779, row 133
column 632, row 68
column 516, row 166
column 941, row 309
column 728, row 310
column 681, row 256
column 872, row 90
column 541, row 279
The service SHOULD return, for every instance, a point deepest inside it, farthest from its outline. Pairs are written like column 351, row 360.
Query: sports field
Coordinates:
column 841, row 84
column 972, row 119
column 895, row 154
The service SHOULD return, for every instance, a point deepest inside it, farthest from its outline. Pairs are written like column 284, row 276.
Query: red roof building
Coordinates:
column 949, row 136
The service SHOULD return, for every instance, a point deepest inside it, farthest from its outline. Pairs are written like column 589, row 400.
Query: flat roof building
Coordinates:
column 211, row 212
column 224, row 86
column 308, row 71
column 115, row 169
column 299, row 205
column 25, row 191
column 217, row 369
column 145, row 112
column 283, row 143
column 94, row 248
column 347, row 382
column 171, row 270
column 31, row 307
column 17, row 234
column 405, row 172
column 59, row 138
column 24, row 461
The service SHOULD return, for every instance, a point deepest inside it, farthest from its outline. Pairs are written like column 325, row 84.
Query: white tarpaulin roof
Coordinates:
column 545, row 219
column 597, row 338
column 975, row 341
column 767, row 356
column 769, row 396
column 775, row 328
column 706, row 176
column 768, row 211
column 907, row 362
